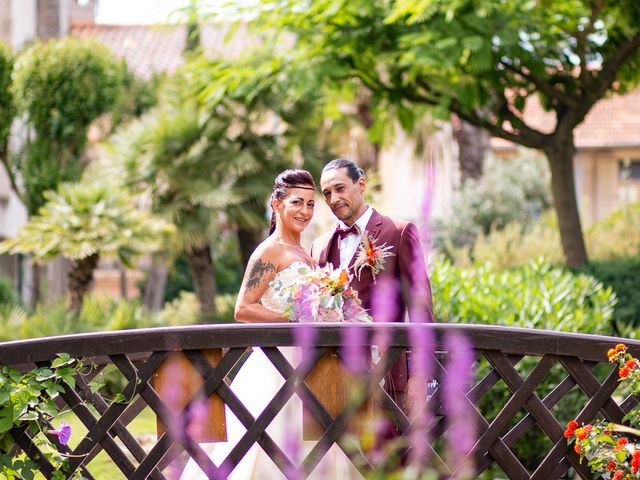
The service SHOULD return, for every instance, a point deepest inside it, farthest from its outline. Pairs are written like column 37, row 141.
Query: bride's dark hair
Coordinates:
column 286, row 180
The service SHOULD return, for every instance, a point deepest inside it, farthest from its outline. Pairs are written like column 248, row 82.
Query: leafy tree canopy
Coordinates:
column 60, row 88
column 81, row 220
column 482, row 59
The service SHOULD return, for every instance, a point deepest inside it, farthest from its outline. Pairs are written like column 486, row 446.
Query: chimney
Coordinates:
column 82, row 12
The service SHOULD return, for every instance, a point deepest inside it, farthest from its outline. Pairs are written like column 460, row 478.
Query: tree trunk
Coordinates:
column 473, row 143
column 79, row 280
column 156, row 283
column 248, row 238
column 560, row 154
column 204, row 280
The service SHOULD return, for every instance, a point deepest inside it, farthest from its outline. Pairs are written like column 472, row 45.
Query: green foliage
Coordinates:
column 63, row 85
column 623, row 277
column 137, row 97
column 617, row 236
column 28, row 400
column 614, row 238
column 507, row 192
column 97, row 314
column 60, row 87
column 7, row 292
column 534, row 296
column 7, row 108
column 86, row 219
column 481, row 59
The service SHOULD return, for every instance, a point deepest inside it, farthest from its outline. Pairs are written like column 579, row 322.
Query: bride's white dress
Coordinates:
column 255, row 385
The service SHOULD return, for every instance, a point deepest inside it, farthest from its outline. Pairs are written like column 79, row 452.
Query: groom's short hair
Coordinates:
column 353, row 171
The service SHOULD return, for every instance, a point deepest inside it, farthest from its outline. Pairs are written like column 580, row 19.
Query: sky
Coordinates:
column 136, row 11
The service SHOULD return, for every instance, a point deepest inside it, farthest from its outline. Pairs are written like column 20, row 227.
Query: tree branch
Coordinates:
column 543, row 86
column 581, row 39
column 602, row 82
column 526, row 136
column 4, row 155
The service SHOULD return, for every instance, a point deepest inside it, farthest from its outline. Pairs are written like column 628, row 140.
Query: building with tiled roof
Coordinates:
column 607, row 162
column 150, row 49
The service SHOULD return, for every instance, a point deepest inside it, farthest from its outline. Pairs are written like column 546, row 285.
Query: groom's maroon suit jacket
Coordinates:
column 402, row 285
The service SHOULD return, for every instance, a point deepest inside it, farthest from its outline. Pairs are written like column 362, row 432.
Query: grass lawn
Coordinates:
column 101, row 467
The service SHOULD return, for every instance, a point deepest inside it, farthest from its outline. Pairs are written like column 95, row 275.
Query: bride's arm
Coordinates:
column 261, row 269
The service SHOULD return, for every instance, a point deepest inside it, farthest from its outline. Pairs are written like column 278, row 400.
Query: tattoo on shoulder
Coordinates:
column 258, row 270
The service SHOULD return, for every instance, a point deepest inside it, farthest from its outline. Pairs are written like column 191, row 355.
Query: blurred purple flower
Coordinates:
column 304, row 336
column 384, row 307
column 427, row 206
column 63, row 433
column 303, row 309
column 421, row 372
column 197, row 418
column 461, row 435
column 355, row 355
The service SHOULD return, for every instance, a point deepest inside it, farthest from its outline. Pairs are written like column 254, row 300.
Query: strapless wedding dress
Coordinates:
column 255, row 385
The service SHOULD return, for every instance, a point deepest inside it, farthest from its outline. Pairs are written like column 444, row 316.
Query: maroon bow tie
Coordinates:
column 343, row 232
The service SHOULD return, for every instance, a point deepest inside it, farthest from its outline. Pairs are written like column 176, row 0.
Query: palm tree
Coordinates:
column 82, row 222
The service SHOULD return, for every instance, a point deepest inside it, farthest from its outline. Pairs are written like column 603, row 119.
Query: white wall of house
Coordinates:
column 23, row 22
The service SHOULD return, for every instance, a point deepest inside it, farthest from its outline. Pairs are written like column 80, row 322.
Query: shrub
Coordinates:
column 617, row 236
column 516, row 244
column 508, row 191
column 623, row 277
column 534, row 296
column 60, row 88
column 7, row 108
column 7, row 292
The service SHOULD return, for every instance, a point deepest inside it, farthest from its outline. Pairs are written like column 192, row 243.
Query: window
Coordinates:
column 630, row 169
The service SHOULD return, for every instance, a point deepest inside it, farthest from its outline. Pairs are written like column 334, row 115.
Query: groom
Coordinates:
column 403, row 275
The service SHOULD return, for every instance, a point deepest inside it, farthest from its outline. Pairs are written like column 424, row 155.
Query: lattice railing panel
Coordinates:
column 528, row 378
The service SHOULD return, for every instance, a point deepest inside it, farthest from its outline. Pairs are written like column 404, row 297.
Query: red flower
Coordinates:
column 618, row 475
column 577, row 448
column 611, row 466
column 581, row 434
column 633, row 363
column 624, row 372
column 623, row 441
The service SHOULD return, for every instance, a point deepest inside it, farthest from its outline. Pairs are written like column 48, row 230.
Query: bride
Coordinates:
column 279, row 257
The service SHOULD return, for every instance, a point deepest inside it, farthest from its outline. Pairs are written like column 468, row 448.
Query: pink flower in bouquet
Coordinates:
column 322, row 295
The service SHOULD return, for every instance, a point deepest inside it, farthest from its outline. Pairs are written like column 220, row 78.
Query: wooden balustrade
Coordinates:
column 535, row 371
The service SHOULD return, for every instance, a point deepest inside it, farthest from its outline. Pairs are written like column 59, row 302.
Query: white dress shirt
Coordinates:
column 349, row 244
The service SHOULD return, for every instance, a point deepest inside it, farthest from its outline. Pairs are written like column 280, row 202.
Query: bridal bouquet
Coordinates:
column 321, row 294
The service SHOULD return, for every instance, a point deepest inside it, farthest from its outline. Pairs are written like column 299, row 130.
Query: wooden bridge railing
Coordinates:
column 535, row 370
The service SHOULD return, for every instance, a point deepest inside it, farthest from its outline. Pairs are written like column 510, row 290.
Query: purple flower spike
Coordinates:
column 461, row 434
column 422, row 348
column 384, row 307
column 198, row 416
column 304, row 335
column 63, row 433
column 355, row 355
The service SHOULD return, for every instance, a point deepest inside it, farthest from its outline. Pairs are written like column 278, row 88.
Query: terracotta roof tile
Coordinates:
column 150, row 49
column 612, row 122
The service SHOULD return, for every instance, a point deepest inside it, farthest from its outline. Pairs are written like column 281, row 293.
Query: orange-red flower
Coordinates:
column 611, row 466
column 624, row 372
column 618, row 475
column 581, row 434
column 571, row 428
column 577, row 448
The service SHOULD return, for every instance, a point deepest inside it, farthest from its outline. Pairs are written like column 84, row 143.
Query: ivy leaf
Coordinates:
column 6, row 419
column 61, row 360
